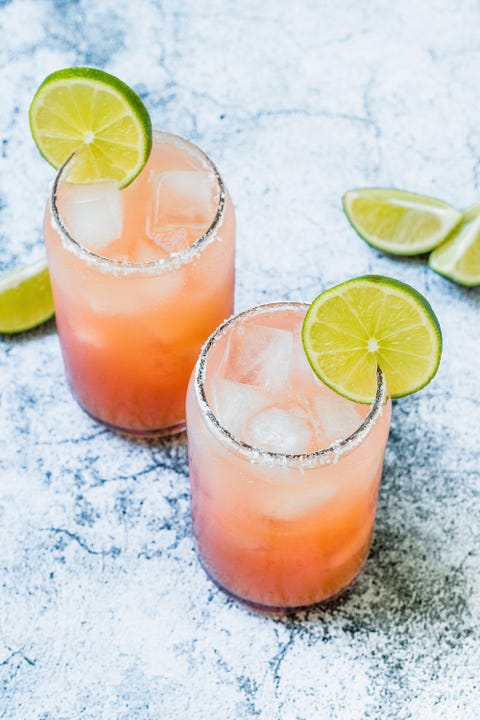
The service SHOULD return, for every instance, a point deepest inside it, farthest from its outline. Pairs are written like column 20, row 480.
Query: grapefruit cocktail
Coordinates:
column 288, row 415
column 140, row 277
column 140, row 235
column 284, row 471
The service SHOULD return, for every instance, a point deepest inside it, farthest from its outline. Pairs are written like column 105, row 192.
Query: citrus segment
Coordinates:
column 91, row 112
column 458, row 258
column 369, row 321
column 397, row 221
column 25, row 297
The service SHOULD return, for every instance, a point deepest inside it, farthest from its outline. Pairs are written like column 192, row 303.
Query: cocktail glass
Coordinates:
column 140, row 278
column 288, row 527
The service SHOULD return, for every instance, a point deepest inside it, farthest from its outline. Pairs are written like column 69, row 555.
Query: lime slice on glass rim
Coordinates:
column 458, row 258
column 25, row 297
column 397, row 221
column 368, row 321
column 93, row 112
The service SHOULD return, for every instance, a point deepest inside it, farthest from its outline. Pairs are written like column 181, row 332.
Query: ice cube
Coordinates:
column 282, row 430
column 334, row 417
column 260, row 356
column 175, row 238
column 87, row 333
column 285, row 502
column 145, row 250
column 234, row 404
column 183, row 198
column 92, row 213
column 135, row 295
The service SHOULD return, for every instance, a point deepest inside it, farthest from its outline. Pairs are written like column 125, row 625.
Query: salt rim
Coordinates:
column 152, row 267
column 327, row 455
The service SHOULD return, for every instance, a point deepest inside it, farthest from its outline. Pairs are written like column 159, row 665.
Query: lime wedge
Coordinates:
column 399, row 222
column 25, row 297
column 90, row 111
column 369, row 321
column 458, row 258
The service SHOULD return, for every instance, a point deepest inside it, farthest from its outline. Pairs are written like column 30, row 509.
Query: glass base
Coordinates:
column 154, row 433
column 273, row 610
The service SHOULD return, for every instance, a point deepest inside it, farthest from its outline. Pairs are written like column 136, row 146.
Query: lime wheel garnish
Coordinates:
column 372, row 321
column 96, row 115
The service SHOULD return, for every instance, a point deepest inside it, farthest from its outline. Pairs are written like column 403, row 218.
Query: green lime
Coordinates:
column 458, row 258
column 369, row 321
column 397, row 221
column 90, row 111
column 25, row 297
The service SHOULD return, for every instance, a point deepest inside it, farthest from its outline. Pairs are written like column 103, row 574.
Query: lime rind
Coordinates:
column 342, row 321
column 399, row 222
column 25, row 297
column 89, row 111
column 458, row 258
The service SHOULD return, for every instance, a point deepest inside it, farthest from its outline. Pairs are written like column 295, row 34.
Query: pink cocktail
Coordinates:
column 140, row 277
column 284, row 472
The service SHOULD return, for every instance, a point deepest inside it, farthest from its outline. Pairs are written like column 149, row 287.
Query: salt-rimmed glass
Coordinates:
column 130, row 332
column 280, row 531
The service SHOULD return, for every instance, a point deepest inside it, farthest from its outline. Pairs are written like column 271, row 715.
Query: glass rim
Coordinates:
column 322, row 456
column 174, row 260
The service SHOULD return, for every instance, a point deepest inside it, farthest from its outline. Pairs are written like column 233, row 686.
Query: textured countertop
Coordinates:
column 105, row 611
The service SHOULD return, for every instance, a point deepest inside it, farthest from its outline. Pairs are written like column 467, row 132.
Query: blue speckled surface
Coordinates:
column 104, row 609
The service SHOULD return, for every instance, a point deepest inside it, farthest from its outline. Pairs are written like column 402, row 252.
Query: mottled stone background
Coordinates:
column 104, row 609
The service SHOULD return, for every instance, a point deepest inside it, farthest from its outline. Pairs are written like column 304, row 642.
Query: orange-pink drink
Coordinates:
column 284, row 472
column 140, row 277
